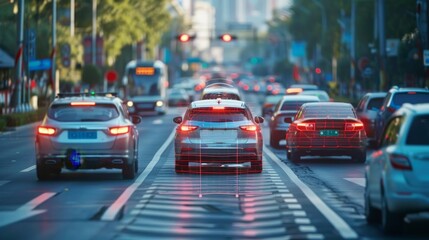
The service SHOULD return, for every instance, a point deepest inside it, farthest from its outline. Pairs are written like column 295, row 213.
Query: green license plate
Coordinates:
column 328, row 133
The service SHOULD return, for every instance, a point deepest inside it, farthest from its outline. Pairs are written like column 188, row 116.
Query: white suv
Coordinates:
column 396, row 174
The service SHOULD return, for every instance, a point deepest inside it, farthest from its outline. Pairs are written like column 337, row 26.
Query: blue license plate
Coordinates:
column 82, row 135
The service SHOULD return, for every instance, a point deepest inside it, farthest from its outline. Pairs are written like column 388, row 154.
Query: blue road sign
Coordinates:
column 31, row 44
column 40, row 64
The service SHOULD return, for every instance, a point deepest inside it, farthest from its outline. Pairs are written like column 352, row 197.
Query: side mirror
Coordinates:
column 288, row 119
column 259, row 119
column 136, row 119
column 177, row 120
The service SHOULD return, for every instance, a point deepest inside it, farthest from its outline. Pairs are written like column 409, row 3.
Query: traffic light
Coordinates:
column 318, row 70
column 185, row 37
column 227, row 37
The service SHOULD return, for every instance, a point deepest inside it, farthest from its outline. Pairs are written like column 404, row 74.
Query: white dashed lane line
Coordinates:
column 29, row 169
column 157, row 122
column 359, row 181
column 3, row 182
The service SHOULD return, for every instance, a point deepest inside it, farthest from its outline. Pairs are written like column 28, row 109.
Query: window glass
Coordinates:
column 392, row 132
column 409, row 97
column 224, row 115
column 293, row 105
column 361, row 104
column 67, row 113
column 419, row 131
column 375, row 104
column 328, row 112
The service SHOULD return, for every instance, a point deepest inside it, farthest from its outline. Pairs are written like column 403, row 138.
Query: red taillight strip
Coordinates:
column 187, row 128
column 356, row 126
column 250, row 128
column 306, row 126
column 119, row 130
column 45, row 130
column 400, row 162
column 82, row 103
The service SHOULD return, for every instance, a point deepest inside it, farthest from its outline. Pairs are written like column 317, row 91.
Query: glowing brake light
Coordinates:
column 82, row 103
column 188, row 128
column 400, row 162
column 218, row 108
column 49, row 131
column 119, row 130
column 353, row 126
column 250, row 128
column 293, row 90
column 306, row 126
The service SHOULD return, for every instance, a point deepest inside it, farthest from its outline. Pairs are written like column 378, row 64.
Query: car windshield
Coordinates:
column 419, row 131
column 97, row 113
column 328, row 112
column 410, row 97
column 221, row 95
column 222, row 115
column 293, row 106
column 375, row 103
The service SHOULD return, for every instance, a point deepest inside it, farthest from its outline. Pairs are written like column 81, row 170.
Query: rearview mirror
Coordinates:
column 259, row 119
column 136, row 119
column 177, row 120
column 288, row 119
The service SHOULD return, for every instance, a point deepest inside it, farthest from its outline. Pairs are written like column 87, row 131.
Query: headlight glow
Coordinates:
column 130, row 104
column 159, row 103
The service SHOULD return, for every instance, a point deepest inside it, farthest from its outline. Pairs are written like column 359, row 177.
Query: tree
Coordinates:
column 91, row 75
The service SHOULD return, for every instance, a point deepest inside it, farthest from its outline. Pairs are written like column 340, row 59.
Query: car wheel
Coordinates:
column 288, row 155
column 359, row 157
column 390, row 222
column 295, row 156
column 181, row 166
column 43, row 172
column 274, row 140
column 129, row 170
column 372, row 214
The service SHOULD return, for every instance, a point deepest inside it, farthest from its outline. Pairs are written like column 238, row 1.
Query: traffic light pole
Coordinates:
column 19, row 66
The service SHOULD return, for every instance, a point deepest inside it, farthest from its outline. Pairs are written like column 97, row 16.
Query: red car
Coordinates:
column 326, row 129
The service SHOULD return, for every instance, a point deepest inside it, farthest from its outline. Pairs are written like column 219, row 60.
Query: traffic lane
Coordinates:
column 221, row 206
column 79, row 196
column 17, row 147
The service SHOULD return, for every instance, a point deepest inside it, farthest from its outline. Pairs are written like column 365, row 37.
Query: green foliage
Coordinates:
column 18, row 119
column 91, row 75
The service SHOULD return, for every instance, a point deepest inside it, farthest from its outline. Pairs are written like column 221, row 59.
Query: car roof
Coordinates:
column 304, row 86
column 218, row 102
column 376, row 94
column 299, row 98
column 221, row 90
column 407, row 89
column 329, row 104
column 421, row 108
column 84, row 98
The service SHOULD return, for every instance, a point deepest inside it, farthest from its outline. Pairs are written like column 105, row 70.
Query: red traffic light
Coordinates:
column 185, row 37
column 318, row 70
column 227, row 37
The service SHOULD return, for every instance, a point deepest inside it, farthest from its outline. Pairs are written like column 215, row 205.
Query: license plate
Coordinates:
column 329, row 133
column 219, row 135
column 145, row 105
column 82, row 135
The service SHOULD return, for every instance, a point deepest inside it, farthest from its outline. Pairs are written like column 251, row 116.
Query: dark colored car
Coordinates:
column 395, row 98
column 367, row 110
column 285, row 108
column 178, row 98
column 326, row 129
column 217, row 135
column 269, row 103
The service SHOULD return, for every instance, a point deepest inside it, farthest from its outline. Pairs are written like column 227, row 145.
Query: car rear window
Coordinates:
column 221, row 95
column 409, row 97
column 419, row 131
column 222, row 115
column 328, row 112
column 68, row 113
column 375, row 103
column 293, row 105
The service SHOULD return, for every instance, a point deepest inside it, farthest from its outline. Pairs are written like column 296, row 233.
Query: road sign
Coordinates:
column 65, row 55
column 31, row 44
column 426, row 58
column 111, row 76
column 40, row 64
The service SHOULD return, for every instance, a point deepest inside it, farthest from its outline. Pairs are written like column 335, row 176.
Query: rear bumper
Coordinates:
column 86, row 161
column 328, row 151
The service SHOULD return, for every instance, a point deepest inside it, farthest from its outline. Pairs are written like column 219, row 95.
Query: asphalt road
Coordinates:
column 319, row 198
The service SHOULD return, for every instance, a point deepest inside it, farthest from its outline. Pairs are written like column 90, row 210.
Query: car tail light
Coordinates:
column 256, row 88
column 306, row 126
column 82, row 103
column 218, row 108
column 119, row 130
column 400, row 162
column 250, row 128
column 187, row 128
column 48, row 131
column 293, row 90
column 356, row 126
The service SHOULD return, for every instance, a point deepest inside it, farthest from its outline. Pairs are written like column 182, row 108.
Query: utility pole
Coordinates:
column 382, row 44
column 54, row 46
column 94, row 32
column 353, row 49
column 72, row 5
column 19, row 65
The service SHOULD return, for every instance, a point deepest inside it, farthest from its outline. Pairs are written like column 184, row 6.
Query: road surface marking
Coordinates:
column 3, row 182
column 111, row 213
column 25, row 211
column 157, row 121
column 337, row 222
column 29, row 168
column 359, row 181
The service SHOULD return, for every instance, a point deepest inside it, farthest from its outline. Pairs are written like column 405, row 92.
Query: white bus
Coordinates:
column 145, row 87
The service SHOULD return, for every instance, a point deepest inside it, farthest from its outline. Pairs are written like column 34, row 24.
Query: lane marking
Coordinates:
column 29, row 168
column 359, row 181
column 157, row 121
column 36, row 201
column 3, row 182
column 111, row 213
column 337, row 222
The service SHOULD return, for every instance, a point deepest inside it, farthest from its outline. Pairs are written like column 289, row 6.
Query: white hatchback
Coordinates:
column 397, row 172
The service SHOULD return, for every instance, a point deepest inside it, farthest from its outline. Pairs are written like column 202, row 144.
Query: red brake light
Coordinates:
column 48, row 131
column 293, row 90
column 187, row 128
column 250, row 128
column 82, row 103
column 218, row 108
column 356, row 126
column 306, row 126
column 119, row 130
column 400, row 162
column 411, row 92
